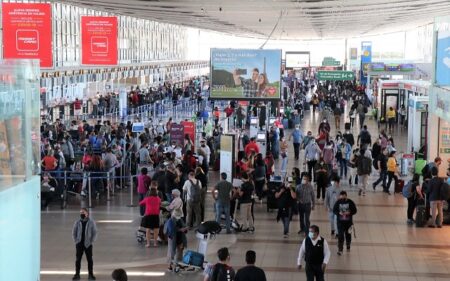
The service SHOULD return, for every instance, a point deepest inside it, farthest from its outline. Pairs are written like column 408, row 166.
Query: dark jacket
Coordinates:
column 434, row 189
column 344, row 205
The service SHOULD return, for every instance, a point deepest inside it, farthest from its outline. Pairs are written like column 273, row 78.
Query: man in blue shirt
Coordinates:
column 297, row 136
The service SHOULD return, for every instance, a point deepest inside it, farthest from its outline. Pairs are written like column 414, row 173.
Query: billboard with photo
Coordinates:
column 245, row 74
column 297, row 59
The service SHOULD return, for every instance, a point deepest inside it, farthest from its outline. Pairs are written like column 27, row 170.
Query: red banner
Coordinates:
column 27, row 32
column 189, row 129
column 99, row 40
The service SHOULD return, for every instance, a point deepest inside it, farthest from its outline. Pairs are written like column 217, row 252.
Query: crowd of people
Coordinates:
column 173, row 177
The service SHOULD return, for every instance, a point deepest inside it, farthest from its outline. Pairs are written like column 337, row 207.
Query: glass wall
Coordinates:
column 19, row 166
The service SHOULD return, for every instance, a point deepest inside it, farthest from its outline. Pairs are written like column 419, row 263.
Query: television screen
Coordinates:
column 261, row 136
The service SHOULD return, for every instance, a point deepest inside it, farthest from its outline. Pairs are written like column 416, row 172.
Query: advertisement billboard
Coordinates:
column 297, row 59
column 99, row 40
column 443, row 58
column 27, row 32
column 353, row 53
column 245, row 74
column 366, row 59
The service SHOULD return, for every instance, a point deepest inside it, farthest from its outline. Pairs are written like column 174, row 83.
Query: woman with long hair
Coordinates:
column 200, row 175
column 259, row 176
column 262, row 84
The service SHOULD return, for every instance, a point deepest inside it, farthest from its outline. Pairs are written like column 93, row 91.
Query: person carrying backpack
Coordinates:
column 221, row 270
column 192, row 189
column 364, row 169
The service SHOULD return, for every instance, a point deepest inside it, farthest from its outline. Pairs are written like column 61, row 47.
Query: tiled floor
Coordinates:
column 385, row 248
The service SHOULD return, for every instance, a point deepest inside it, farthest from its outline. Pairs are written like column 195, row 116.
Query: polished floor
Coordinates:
column 385, row 247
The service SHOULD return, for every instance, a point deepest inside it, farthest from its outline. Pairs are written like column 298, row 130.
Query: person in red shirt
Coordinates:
column 143, row 184
column 77, row 107
column 229, row 111
column 151, row 219
column 252, row 146
column 49, row 162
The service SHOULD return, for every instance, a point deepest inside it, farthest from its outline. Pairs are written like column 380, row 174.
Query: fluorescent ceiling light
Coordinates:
column 129, row 273
column 114, row 221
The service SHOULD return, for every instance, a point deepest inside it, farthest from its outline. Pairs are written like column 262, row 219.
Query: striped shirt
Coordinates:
column 305, row 194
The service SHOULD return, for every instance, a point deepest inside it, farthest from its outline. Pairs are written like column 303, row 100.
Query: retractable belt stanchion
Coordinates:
column 90, row 191
column 131, row 188
column 108, row 196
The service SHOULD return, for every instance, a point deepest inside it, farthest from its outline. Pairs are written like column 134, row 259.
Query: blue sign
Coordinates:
column 138, row 127
column 366, row 59
column 443, row 59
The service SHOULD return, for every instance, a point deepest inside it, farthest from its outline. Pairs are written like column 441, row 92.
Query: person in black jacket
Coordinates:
column 250, row 272
column 344, row 209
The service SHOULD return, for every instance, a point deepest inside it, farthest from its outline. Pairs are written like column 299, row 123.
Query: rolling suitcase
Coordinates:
column 399, row 186
column 193, row 258
column 347, row 126
column 421, row 214
column 272, row 187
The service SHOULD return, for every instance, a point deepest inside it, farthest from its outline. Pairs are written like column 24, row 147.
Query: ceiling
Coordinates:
column 285, row 19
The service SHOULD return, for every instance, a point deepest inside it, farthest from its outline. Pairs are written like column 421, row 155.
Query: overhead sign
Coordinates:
column 27, row 32
column 330, row 61
column 366, row 59
column 245, row 74
column 335, row 75
column 99, row 40
column 443, row 58
column 297, row 59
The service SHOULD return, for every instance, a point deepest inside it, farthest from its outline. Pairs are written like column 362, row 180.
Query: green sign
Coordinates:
column 335, row 75
column 330, row 61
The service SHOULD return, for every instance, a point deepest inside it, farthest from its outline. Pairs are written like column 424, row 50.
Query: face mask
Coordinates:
column 203, row 145
column 332, row 183
column 303, row 181
column 82, row 216
column 311, row 235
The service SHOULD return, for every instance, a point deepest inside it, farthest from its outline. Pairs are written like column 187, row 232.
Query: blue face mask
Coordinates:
column 311, row 235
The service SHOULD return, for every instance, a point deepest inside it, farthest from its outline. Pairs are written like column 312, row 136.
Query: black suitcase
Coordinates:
column 347, row 125
column 421, row 216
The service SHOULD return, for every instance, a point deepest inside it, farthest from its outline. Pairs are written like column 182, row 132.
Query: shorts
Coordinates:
column 150, row 221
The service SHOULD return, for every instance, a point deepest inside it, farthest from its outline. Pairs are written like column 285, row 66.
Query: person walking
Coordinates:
column 316, row 254
column 331, row 197
column 415, row 196
column 381, row 165
column 222, row 196
column 297, row 137
column 150, row 221
column 312, row 154
column 285, row 197
column 250, row 272
column 364, row 169
column 84, row 233
column 284, row 157
column 304, row 194
column 222, row 270
column 344, row 209
column 192, row 189
column 322, row 178
column 390, row 116
column 391, row 171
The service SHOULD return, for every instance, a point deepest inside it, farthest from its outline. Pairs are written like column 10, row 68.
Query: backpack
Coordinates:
column 169, row 228
column 195, row 192
column 375, row 164
column 407, row 190
column 222, row 272
column 445, row 191
column 364, row 166
column 366, row 109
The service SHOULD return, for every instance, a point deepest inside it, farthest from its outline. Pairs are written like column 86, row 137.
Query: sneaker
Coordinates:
column 336, row 236
column 348, row 248
column 300, row 232
column 439, row 226
column 432, row 226
column 76, row 277
column 374, row 186
column 285, row 236
column 364, row 193
column 339, row 253
column 332, row 233
column 359, row 192
column 92, row 277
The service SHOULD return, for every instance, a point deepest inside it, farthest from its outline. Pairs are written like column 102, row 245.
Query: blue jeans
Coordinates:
column 382, row 178
column 286, row 221
column 304, row 212
column 223, row 208
column 343, row 164
column 141, row 207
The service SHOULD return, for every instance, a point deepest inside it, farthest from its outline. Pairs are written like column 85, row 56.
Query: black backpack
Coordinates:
column 222, row 272
column 364, row 165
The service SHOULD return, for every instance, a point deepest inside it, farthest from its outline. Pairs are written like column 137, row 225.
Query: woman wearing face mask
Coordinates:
column 284, row 156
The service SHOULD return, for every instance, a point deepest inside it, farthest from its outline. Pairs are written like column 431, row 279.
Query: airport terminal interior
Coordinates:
column 225, row 140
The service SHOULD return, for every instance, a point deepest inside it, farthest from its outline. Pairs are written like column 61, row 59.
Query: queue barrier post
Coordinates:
column 90, row 192
column 108, row 196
